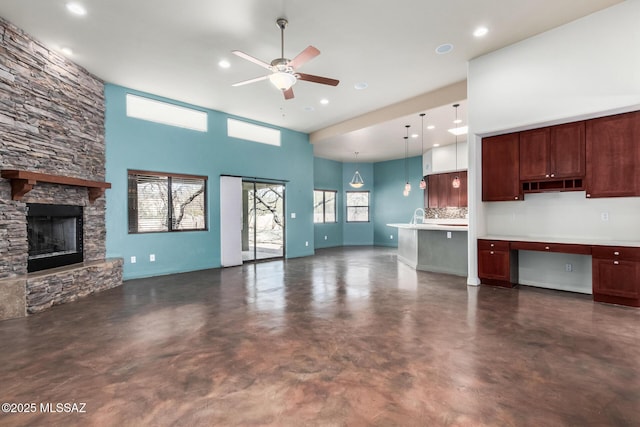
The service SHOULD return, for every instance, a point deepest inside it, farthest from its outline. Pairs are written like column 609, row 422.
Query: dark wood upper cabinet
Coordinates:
column 613, row 156
column 553, row 152
column 567, row 150
column 440, row 191
column 534, row 154
column 463, row 197
column 500, row 168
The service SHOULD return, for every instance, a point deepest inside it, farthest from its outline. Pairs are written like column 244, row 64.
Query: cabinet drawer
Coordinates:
column 496, row 245
column 616, row 252
column 566, row 248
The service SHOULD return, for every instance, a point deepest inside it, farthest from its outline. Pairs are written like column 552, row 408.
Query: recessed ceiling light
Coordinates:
column 431, row 127
column 76, row 9
column 444, row 48
column 309, row 108
column 456, row 121
column 224, row 63
column 436, row 145
column 459, row 131
column 66, row 51
column 324, row 101
column 414, row 135
column 480, row 31
column 360, row 86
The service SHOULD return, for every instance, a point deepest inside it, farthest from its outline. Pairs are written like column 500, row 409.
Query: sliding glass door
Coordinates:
column 262, row 221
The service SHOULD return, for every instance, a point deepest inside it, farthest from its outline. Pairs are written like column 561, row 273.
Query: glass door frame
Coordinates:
column 254, row 249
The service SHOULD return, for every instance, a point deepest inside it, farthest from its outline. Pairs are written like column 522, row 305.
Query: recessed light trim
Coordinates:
column 431, row 127
column 76, row 8
column 444, row 48
column 480, row 32
column 360, row 85
column 309, row 108
column 324, row 101
column 223, row 63
column 436, row 145
column 456, row 121
column 414, row 135
column 462, row 130
column 66, row 51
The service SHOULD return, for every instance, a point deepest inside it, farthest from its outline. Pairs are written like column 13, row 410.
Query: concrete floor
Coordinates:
column 348, row 337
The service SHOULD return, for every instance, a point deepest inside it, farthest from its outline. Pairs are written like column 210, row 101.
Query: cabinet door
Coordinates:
column 500, row 168
column 613, row 156
column 446, row 191
column 616, row 277
column 493, row 265
column 534, row 154
column 462, row 191
column 433, row 181
column 567, row 150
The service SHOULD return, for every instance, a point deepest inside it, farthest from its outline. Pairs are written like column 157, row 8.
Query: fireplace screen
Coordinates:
column 55, row 236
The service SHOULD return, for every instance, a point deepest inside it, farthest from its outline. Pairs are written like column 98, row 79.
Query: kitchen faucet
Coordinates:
column 414, row 220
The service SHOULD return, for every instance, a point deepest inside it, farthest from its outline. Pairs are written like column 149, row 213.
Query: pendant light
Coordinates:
column 407, row 186
column 456, row 180
column 356, row 181
column 423, row 184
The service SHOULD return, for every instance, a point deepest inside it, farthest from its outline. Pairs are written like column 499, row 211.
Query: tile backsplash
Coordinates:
column 449, row 213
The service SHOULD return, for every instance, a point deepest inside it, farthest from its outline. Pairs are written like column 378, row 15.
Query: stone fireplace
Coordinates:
column 52, row 153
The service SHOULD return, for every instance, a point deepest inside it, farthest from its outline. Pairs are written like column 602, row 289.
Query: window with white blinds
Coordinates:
column 160, row 202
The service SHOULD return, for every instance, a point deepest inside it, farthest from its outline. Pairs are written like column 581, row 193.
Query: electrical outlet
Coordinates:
column 568, row 267
column 604, row 216
column 133, row 260
column 325, row 237
column 293, row 215
column 448, row 234
column 152, row 257
column 391, row 236
column 306, row 243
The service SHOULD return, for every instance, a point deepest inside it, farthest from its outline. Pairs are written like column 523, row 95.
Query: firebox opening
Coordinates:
column 54, row 235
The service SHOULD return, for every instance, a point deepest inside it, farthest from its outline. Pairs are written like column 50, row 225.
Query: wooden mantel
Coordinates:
column 23, row 181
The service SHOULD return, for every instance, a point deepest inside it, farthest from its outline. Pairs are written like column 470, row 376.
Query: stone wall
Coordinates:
column 52, row 122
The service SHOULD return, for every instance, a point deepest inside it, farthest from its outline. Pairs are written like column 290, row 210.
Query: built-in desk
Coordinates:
column 615, row 265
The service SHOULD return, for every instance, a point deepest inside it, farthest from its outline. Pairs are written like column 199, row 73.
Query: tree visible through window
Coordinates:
column 163, row 202
column 324, row 206
column 357, row 206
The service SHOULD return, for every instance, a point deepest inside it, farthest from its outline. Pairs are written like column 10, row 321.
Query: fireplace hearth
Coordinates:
column 54, row 234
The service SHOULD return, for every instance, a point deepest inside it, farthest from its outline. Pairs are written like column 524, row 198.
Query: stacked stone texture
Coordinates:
column 52, row 122
column 45, row 291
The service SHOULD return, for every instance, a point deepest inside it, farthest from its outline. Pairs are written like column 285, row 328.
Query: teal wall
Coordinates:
column 390, row 205
column 358, row 233
column 327, row 175
column 138, row 144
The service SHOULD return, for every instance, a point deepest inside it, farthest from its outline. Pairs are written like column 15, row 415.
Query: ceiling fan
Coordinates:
column 284, row 72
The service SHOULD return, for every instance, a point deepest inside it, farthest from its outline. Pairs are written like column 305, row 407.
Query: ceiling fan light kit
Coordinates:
column 283, row 70
column 282, row 80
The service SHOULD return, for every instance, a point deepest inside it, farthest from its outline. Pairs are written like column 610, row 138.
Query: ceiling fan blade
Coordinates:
column 317, row 79
column 306, row 55
column 251, row 59
column 246, row 82
column 288, row 94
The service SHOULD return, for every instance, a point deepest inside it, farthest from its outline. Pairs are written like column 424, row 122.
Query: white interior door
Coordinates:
column 230, row 221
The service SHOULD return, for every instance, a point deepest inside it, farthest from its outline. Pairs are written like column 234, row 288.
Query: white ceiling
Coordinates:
column 172, row 48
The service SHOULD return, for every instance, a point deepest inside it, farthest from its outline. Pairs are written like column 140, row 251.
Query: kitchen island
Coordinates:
column 439, row 246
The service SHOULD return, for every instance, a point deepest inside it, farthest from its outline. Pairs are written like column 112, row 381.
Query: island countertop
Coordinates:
column 436, row 225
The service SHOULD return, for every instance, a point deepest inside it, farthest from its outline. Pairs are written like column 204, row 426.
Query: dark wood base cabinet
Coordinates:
column 616, row 269
column 497, row 264
column 616, row 275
